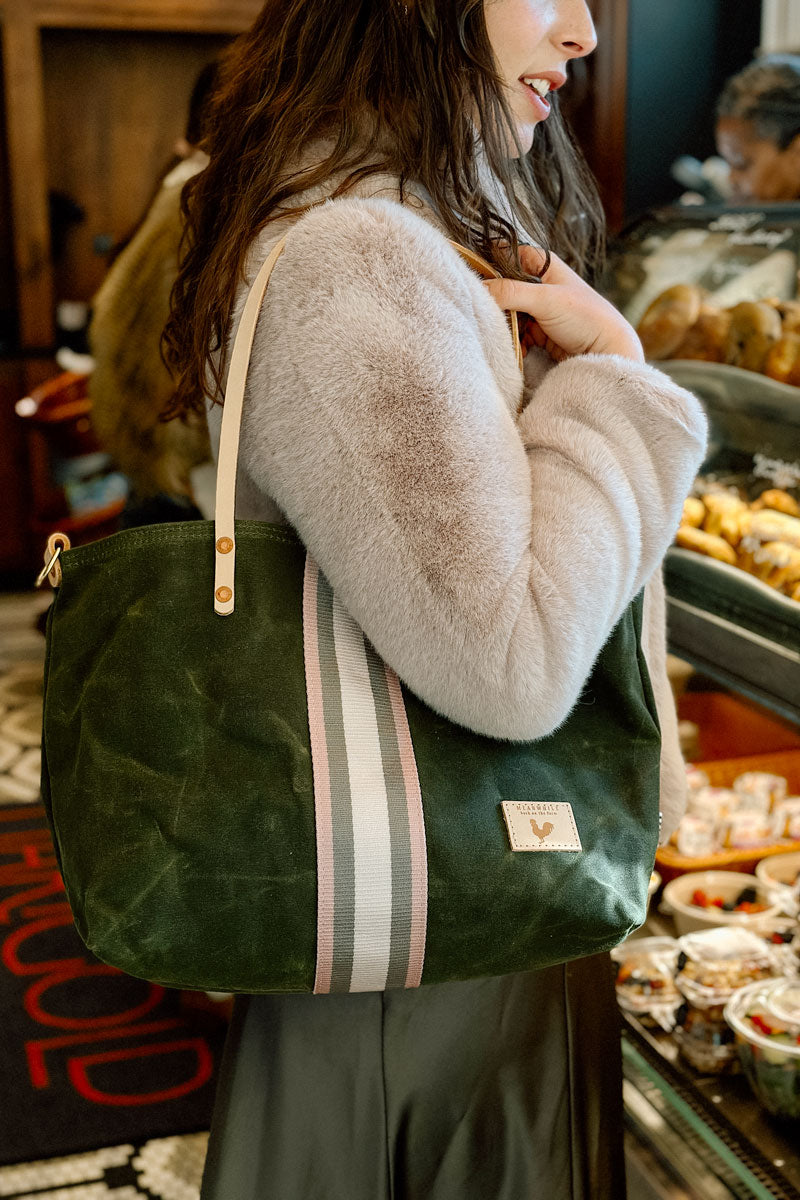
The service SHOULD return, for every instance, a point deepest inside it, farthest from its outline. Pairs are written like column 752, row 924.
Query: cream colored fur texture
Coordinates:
column 486, row 555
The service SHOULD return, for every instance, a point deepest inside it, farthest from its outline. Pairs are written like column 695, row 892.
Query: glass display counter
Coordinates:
column 706, row 1136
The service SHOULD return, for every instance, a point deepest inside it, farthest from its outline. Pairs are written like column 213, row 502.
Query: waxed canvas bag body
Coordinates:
column 244, row 798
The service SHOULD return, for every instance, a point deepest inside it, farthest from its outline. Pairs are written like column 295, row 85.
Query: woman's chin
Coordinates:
column 525, row 135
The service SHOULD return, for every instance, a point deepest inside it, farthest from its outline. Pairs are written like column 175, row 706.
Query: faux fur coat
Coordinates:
column 486, row 555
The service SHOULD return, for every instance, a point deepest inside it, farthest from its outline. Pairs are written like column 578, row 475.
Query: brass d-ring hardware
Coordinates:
column 56, row 544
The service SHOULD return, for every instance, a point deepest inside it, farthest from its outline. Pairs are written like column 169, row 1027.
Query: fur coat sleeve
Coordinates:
column 486, row 555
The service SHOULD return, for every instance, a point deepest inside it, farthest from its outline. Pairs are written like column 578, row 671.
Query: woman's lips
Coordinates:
column 541, row 105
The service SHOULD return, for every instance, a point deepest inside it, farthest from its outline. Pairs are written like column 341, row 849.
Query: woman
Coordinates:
column 486, row 554
column 758, row 130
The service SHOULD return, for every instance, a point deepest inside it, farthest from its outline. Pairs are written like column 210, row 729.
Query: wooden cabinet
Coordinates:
column 93, row 94
column 79, row 117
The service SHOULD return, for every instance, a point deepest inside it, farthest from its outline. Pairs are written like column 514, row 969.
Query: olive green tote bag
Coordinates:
column 244, row 797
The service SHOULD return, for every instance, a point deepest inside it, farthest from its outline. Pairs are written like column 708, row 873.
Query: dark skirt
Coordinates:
column 498, row 1089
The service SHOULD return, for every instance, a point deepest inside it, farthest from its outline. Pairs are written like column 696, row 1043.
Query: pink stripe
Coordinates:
column 416, row 828
column 322, row 780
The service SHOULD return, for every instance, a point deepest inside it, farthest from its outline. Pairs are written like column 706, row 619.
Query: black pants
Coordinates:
column 497, row 1089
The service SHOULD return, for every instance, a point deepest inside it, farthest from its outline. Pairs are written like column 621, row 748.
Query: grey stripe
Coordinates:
column 399, row 831
column 341, row 804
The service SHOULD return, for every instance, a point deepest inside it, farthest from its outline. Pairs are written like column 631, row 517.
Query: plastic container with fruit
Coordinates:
column 708, row 899
column 765, row 1018
column 645, row 979
column 781, row 876
column 712, row 965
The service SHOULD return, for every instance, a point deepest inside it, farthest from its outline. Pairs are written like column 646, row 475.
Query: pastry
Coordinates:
column 770, row 526
column 723, row 516
column 777, row 563
column 754, row 329
column 783, row 360
column 694, row 512
column 776, row 499
column 669, row 318
column 706, row 341
column 790, row 315
column 706, row 543
column 786, row 571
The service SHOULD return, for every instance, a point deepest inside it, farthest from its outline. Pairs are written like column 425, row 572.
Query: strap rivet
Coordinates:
column 225, row 545
column 223, row 594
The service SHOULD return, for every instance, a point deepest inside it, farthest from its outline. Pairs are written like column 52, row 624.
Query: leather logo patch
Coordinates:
column 533, row 826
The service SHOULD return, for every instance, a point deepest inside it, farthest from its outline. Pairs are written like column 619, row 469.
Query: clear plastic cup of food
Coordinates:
column 759, row 789
column 645, row 980
column 765, row 1020
column 712, row 965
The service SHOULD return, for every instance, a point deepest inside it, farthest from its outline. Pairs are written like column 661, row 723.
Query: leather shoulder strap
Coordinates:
column 224, row 518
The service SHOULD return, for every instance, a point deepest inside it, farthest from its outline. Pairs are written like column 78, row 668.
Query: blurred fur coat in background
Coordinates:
column 130, row 385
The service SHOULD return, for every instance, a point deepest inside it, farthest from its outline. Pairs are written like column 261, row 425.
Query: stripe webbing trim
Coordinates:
column 371, row 856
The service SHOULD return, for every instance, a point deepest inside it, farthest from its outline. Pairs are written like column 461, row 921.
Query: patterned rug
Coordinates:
column 154, row 1168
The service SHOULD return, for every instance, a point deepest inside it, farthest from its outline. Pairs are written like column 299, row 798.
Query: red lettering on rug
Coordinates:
column 29, row 884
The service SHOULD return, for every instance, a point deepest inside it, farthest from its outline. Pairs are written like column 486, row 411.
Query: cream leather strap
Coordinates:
column 224, row 518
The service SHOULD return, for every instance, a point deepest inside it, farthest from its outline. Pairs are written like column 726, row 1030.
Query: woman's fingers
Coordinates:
column 513, row 295
column 575, row 318
column 532, row 259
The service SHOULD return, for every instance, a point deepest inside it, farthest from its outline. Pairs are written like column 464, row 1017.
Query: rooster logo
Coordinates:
column 544, row 831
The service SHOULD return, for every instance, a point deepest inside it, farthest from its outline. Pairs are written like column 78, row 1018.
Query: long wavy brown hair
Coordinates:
column 416, row 77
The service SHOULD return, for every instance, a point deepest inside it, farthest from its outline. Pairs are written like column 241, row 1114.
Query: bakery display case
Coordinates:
column 727, row 621
column 715, row 291
column 712, row 1107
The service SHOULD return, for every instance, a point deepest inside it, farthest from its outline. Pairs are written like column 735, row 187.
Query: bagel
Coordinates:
column 707, row 339
column 783, row 360
column 754, row 329
column 669, row 318
column 790, row 315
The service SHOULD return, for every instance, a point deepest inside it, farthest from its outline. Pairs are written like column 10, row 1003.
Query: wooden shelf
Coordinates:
column 168, row 16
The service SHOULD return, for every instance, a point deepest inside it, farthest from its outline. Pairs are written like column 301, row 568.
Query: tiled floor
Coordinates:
column 162, row 1169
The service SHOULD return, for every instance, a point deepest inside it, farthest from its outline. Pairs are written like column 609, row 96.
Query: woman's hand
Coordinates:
column 569, row 317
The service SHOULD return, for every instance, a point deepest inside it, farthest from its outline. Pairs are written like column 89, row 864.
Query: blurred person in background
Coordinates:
column 130, row 385
column 758, row 130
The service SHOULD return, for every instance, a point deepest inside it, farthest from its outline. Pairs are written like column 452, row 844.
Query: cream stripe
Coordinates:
column 371, row 833
column 416, row 825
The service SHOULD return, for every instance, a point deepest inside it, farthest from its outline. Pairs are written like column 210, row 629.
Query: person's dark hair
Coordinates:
column 200, row 103
column 767, row 95
column 409, row 74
